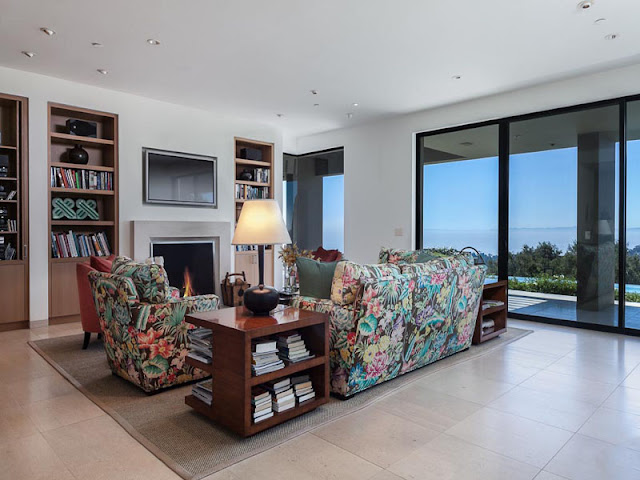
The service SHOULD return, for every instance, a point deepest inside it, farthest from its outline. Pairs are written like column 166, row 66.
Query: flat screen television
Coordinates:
column 176, row 178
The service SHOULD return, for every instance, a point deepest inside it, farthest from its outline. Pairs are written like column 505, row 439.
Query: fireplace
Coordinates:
column 189, row 264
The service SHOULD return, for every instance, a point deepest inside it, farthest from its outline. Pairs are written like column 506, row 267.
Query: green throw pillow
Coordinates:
column 315, row 277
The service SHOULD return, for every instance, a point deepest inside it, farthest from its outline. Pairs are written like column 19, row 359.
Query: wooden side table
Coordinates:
column 492, row 291
column 233, row 329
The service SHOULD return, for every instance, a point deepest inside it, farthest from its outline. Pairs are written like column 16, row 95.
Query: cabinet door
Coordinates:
column 64, row 290
column 14, row 297
column 247, row 262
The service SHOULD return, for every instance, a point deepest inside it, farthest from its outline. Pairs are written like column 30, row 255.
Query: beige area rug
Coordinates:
column 190, row 444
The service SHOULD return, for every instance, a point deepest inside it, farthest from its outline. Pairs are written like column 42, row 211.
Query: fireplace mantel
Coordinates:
column 144, row 232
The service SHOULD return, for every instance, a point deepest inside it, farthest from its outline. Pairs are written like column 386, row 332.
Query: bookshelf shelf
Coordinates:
column 232, row 332
column 14, row 272
column 252, row 163
column 103, row 157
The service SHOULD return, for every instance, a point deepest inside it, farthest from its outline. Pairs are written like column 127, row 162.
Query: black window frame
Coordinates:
column 503, row 199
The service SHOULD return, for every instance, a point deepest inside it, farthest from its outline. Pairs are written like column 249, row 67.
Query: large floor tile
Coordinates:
column 513, row 436
column 514, row 354
column 548, row 476
column 585, row 458
column 572, row 387
column 31, row 458
column 376, row 435
column 100, row 449
column 552, row 409
column 625, row 399
column 592, row 369
column 15, row 423
column 305, row 458
column 37, row 389
column 428, row 408
column 460, row 384
column 493, row 367
column 614, row 426
column 60, row 411
column 450, row 458
column 633, row 380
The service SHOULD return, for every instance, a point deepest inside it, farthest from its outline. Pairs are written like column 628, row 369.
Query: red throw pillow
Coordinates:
column 102, row 264
column 327, row 255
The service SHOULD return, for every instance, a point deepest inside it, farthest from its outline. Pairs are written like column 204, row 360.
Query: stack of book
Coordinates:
column 261, row 401
column 303, row 388
column 291, row 347
column 488, row 326
column 282, row 396
column 203, row 391
column 82, row 179
column 200, row 345
column 265, row 357
column 66, row 245
column 486, row 304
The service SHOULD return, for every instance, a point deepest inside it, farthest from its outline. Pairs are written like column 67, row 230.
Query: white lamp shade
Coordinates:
column 261, row 223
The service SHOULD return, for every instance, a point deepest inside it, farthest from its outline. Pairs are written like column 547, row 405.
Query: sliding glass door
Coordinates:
column 460, row 191
column 632, row 270
column 563, row 211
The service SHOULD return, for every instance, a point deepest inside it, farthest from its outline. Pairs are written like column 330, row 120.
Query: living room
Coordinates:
column 430, row 240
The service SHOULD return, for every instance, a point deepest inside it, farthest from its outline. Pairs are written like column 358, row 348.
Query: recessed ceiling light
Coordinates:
column 48, row 31
column 356, row 104
column 586, row 4
column 466, row 144
column 279, row 115
column 316, row 104
column 457, row 77
column 314, row 92
column 29, row 54
column 102, row 71
column 612, row 36
column 600, row 21
column 153, row 41
column 349, row 115
column 96, row 45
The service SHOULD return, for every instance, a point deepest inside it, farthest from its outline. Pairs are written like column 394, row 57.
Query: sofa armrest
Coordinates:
column 171, row 312
column 173, row 292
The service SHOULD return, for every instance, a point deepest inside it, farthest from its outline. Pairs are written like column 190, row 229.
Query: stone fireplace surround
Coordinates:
column 144, row 232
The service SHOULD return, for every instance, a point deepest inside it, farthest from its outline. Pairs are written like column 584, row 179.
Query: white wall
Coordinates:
column 143, row 122
column 379, row 158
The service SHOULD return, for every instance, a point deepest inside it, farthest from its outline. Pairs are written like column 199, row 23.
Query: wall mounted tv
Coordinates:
column 180, row 178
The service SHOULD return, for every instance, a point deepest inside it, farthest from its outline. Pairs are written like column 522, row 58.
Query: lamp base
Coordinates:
column 261, row 300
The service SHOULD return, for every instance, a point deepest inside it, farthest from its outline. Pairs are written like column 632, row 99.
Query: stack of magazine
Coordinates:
column 203, row 391
column 282, row 396
column 261, row 402
column 303, row 388
column 291, row 347
column 264, row 357
column 200, row 345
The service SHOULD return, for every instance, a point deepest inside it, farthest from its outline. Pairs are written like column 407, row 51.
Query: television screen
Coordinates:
column 180, row 178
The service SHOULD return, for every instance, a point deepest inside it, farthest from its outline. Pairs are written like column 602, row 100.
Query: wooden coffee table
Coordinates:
column 233, row 329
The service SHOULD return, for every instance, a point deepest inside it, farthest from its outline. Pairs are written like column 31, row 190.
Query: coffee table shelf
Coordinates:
column 233, row 330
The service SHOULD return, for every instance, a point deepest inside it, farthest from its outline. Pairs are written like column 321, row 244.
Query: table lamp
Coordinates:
column 261, row 224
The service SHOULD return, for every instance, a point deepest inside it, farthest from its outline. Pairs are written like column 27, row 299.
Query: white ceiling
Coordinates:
column 257, row 58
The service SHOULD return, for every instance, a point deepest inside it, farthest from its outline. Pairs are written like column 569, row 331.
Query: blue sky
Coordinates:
column 461, row 199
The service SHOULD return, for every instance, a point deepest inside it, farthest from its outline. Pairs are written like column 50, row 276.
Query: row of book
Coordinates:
column 247, row 192
column 83, row 179
column 203, row 391
column 67, row 245
column 260, row 174
column 8, row 225
column 269, row 354
column 281, row 395
column 200, row 347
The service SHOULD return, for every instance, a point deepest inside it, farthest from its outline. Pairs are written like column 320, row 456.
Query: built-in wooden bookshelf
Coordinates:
column 103, row 161
column 247, row 261
column 14, row 151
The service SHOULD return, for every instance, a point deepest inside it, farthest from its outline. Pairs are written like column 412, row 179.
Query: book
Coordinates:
column 300, row 379
column 260, row 394
column 285, row 406
column 200, row 358
column 304, row 391
column 263, row 417
column 264, row 346
column 301, row 386
column 306, row 397
column 286, row 399
column 277, row 384
column 283, row 394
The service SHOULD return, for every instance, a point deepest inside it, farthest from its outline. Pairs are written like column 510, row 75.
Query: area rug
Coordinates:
column 190, row 444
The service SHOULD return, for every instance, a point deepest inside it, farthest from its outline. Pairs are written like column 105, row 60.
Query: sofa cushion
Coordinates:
column 150, row 280
column 349, row 276
column 315, row 277
column 102, row 264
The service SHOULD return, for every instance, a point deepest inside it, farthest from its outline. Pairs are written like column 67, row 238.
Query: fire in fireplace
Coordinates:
column 189, row 265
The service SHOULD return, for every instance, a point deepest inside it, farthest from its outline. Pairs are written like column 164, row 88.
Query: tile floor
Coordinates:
column 557, row 404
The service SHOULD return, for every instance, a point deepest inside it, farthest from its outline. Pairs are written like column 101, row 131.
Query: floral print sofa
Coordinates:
column 142, row 320
column 389, row 319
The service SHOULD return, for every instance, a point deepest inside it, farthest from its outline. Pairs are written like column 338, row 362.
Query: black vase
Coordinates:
column 246, row 175
column 78, row 155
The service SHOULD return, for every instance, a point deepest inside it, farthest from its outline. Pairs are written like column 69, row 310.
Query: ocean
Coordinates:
column 486, row 241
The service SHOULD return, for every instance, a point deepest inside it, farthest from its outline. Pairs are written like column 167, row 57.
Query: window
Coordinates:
column 314, row 199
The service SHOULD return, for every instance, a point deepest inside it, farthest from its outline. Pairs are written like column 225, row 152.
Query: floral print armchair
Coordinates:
column 146, row 343
column 399, row 323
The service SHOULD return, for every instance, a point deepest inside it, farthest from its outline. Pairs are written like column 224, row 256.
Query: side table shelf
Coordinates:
column 233, row 331
column 496, row 291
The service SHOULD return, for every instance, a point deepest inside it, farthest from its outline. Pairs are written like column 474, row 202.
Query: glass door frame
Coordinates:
column 503, row 200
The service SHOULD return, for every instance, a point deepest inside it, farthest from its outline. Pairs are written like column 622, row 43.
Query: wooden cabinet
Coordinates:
column 14, row 211
column 247, row 262
column 492, row 314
